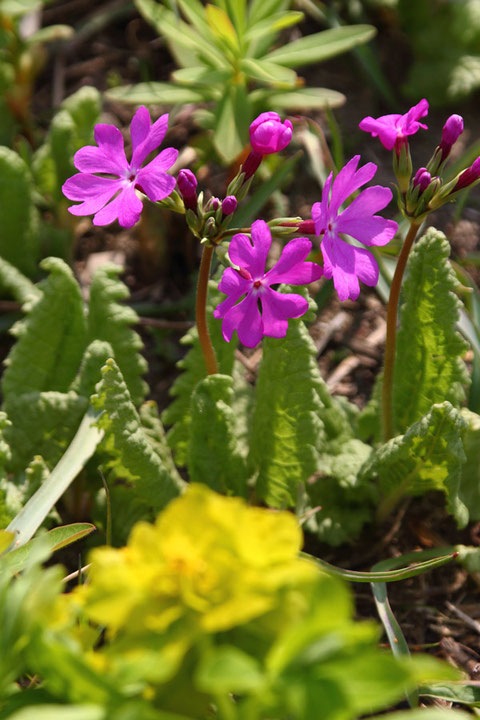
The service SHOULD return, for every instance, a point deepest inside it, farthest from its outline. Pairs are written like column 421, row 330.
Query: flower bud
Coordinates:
column 422, row 179
column 468, row 176
column 268, row 134
column 212, row 205
column 187, row 185
column 452, row 130
column 210, row 228
column 229, row 205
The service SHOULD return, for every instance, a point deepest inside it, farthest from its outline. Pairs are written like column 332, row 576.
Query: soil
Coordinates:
column 114, row 44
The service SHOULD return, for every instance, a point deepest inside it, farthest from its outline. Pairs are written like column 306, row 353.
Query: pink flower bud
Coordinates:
column 229, row 205
column 452, row 130
column 212, row 204
column 422, row 179
column 187, row 185
column 268, row 134
column 468, row 176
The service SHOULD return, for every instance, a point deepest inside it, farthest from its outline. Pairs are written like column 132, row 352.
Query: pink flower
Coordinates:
column 268, row 134
column 452, row 130
column 187, row 187
column 109, row 198
column 346, row 263
column 392, row 130
column 251, row 281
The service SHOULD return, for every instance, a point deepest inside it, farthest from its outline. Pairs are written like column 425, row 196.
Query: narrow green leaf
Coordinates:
column 60, row 712
column 258, row 10
column 305, row 98
column 53, row 540
column 201, row 76
column 429, row 456
column 453, row 693
column 110, row 321
column 18, row 216
column 221, row 25
column 428, row 366
column 268, row 72
column 232, row 121
column 51, row 33
column 132, row 456
column 178, row 414
column 80, row 450
column 53, row 333
column 286, row 429
column 321, row 46
column 273, row 24
column 6, row 539
column 194, row 11
column 214, row 457
column 154, row 93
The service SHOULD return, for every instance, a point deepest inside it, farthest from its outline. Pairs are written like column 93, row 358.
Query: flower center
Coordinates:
column 257, row 284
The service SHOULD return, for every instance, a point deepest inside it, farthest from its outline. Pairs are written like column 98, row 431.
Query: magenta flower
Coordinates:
column 452, row 130
column 268, row 134
column 346, row 263
column 252, row 281
column 111, row 198
column 392, row 130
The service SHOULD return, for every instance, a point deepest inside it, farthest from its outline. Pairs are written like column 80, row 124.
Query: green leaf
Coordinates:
column 232, row 121
column 201, row 76
column 453, row 692
column 321, row 46
column 221, row 25
column 154, row 93
column 305, row 98
column 90, row 373
column 6, row 539
column 41, row 424
column 259, row 10
column 425, row 714
column 56, row 539
column 272, row 24
column 18, row 216
column 286, row 428
column 227, row 669
column 178, row 414
column 132, row 455
column 154, row 430
column 60, row 712
column 53, row 334
column 428, row 366
column 15, row 284
column 429, row 456
column 51, row 33
column 268, row 72
column 214, row 457
column 470, row 482
column 110, row 321
column 80, row 450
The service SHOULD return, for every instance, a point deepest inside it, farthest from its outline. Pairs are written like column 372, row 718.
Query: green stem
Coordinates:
column 201, row 311
column 390, row 342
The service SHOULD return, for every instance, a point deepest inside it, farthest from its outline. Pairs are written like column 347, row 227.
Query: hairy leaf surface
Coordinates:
column 470, row 482
column 429, row 456
column 214, row 456
column 51, row 339
column 429, row 367
column 110, row 321
column 132, row 454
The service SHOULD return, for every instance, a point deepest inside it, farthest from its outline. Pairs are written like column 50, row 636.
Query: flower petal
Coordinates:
column 277, row 308
column 359, row 221
column 233, row 285
column 92, row 159
column 320, row 210
column 110, row 141
column 292, row 268
column 157, row 184
column 339, row 263
column 348, row 180
column 163, row 161
column 252, row 256
column 366, row 268
column 93, row 191
column 126, row 207
column 385, row 128
column 140, row 127
column 151, row 141
column 245, row 318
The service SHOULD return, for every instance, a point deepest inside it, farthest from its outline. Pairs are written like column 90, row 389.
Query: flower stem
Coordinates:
column 390, row 343
column 201, row 311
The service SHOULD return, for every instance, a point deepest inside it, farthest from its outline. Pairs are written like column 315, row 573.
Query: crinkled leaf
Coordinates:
column 110, row 321
column 51, row 339
column 429, row 456
column 16, row 284
column 153, row 428
column 214, row 457
column 18, row 217
column 90, row 373
column 132, row 456
column 178, row 414
column 428, row 367
column 287, row 432
column 42, row 424
column 470, row 482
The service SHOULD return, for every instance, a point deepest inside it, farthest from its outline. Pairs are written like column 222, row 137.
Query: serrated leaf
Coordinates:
column 429, row 456
column 153, row 428
column 18, row 216
column 154, row 93
column 111, row 322
column 470, row 482
column 214, row 457
column 321, row 46
column 16, row 284
column 126, row 442
column 286, row 429
column 178, row 413
column 90, row 373
column 428, row 365
column 53, row 334
column 42, row 424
